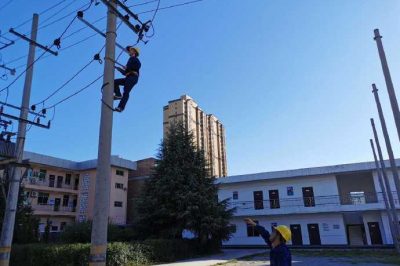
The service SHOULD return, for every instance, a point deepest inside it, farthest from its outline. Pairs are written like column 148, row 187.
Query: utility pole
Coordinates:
column 14, row 183
column 389, row 210
column 389, row 149
column 98, row 247
column 389, row 83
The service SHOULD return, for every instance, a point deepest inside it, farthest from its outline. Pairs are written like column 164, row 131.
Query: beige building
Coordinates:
column 62, row 191
column 208, row 131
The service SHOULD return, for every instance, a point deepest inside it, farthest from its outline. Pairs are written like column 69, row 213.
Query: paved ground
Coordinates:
column 261, row 260
column 225, row 256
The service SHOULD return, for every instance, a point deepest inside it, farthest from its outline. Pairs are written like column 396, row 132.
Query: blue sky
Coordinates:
column 290, row 80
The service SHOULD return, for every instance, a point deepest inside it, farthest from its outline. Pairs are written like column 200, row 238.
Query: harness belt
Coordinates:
column 132, row 73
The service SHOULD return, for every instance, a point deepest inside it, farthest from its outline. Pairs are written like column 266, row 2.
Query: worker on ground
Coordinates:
column 131, row 73
column 280, row 253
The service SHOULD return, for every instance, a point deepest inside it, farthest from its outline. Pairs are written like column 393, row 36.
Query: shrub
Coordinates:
column 118, row 253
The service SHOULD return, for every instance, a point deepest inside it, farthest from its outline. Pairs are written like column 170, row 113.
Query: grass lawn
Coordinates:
column 354, row 256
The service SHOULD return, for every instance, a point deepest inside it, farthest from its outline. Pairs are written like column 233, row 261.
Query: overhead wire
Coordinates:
column 53, row 106
column 5, row 5
column 40, row 13
column 38, row 58
column 103, row 17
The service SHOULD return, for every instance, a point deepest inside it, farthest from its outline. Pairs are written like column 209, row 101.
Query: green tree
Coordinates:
column 26, row 229
column 181, row 195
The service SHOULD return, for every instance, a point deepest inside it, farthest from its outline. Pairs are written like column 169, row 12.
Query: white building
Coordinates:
column 333, row 205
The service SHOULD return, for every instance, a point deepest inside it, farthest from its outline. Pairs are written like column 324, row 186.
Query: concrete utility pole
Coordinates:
column 98, row 247
column 390, row 210
column 388, row 80
column 13, row 188
column 387, row 141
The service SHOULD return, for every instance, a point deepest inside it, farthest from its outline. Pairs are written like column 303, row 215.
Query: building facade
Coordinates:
column 136, row 182
column 62, row 191
column 333, row 205
column 208, row 131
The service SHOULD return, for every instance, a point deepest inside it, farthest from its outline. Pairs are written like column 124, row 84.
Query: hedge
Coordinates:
column 118, row 253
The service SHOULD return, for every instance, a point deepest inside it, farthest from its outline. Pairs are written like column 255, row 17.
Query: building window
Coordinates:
column 65, row 200
column 59, row 181
column 308, row 197
column 274, row 199
column 119, row 185
column 290, row 191
column 42, row 174
column 52, row 179
column 235, row 195
column 54, row 228
column 357, row 197
column 251, row 230
column 68, row 179
column 43, row 198
column 258, row 200
column 117, row 203
column 62, row 226
column 120, row 172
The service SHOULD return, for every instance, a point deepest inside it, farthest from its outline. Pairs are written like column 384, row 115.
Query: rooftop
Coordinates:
column 73, row 165
column 313, row 171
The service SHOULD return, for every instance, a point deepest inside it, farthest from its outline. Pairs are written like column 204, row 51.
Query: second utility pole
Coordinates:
column 14, row 183
column 98, row 247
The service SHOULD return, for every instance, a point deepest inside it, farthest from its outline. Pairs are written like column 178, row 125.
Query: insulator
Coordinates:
column 57, row 43
column 33, row 107
column 137, row 27
column 44, row 111
column 79, row 14
column 126, row 17
column 48, row 123
column 38, row 120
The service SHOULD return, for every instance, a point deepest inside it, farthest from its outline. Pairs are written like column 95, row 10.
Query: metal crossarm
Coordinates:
column 32, row 42
column 122, row 17
column 80, row 17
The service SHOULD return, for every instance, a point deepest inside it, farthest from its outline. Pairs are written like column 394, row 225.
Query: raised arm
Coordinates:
column 260, row 229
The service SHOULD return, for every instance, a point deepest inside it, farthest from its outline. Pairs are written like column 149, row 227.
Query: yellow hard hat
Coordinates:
column 137, row 50
column 284, row 231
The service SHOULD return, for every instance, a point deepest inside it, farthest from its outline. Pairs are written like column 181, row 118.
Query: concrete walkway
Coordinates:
column 225, row 256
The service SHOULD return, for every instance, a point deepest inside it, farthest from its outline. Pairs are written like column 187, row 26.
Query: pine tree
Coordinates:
column 181, row 195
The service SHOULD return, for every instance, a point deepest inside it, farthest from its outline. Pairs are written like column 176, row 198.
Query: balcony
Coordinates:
column 56, row 210
column 46, row 184
column 316, row 204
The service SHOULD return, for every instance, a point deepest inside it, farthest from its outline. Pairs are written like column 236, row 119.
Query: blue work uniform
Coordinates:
column 279, row 255
column 131, row 73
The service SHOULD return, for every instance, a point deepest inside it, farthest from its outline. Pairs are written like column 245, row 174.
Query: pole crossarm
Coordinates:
column 33, row 42
column 127, row 10
column 19, row 108
column 87, row 23
column 125, row 19
column 25, row 120
column 12, row 70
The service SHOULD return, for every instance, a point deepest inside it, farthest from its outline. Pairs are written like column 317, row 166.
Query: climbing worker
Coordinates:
column 131, row 73
column 280, row 253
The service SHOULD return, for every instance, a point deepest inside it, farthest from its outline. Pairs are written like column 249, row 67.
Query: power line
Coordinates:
column 5, row 5
column 65, row 83
column 40, row 13
column 101, row 18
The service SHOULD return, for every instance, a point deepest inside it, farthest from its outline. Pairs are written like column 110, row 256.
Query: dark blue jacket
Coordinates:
column 279, row 255
column 132, row 65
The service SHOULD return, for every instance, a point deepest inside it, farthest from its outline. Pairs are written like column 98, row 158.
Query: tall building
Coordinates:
column 62, row 191
column 209, row 133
